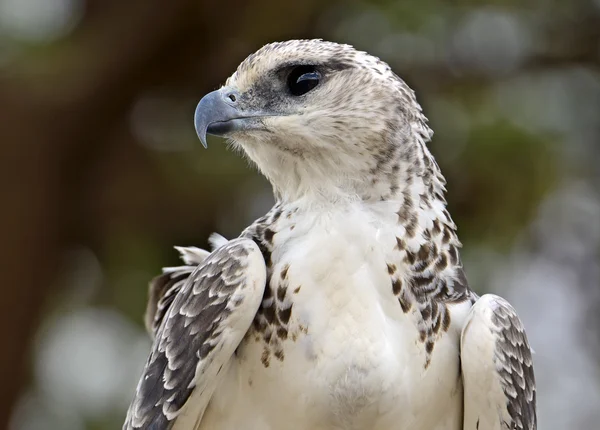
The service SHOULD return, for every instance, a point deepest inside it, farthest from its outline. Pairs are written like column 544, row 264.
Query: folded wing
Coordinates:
column 499, row 383
column 198, row 322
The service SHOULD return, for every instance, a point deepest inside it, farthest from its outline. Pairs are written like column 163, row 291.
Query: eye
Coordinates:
column 302, row 79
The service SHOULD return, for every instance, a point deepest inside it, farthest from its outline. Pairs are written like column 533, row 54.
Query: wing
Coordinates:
column 207, row 318
column 164, row 288
column 499, row 384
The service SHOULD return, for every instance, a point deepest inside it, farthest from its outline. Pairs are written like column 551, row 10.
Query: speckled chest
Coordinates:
column 339, row 334
column 301, row 248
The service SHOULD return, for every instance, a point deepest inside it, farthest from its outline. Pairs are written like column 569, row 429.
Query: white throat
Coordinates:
column 391, row 171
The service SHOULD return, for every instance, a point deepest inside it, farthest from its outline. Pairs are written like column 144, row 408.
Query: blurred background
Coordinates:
column 101, row 174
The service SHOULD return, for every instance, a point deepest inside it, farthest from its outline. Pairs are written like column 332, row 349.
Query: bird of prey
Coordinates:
column 346, row 306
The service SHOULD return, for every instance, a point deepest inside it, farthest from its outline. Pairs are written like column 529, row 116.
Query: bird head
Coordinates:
column 320, row 118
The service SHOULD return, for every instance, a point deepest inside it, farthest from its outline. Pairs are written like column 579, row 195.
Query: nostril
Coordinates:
column 232, row 97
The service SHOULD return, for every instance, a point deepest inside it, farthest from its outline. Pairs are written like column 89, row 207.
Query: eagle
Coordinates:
column 346, row 306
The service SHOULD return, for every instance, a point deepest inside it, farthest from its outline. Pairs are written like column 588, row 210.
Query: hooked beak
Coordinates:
column 219, row 113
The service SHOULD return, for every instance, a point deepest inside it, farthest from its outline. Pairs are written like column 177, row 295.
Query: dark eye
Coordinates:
column 302, row 79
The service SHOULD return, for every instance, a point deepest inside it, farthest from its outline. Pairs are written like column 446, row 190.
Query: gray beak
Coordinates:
column 219, row 113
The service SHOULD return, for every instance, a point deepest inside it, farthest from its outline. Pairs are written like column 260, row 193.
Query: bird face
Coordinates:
column 314, row 108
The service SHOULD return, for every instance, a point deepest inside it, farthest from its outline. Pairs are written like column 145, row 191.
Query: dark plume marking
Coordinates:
column 284, row 315
column 265, row 358
column 391, row 268
column 397, row 286
column 268, row 235
column 405, row 303
column 281, row 291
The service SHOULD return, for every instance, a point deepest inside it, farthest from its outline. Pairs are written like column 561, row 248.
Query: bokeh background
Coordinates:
column 101, row 174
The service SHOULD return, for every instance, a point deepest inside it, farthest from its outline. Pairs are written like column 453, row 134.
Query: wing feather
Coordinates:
column 204, row 318
column 163, row 288
column 497, row 368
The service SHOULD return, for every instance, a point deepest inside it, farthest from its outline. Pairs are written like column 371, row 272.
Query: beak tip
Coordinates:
column 200, row 127
column 203, row 140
